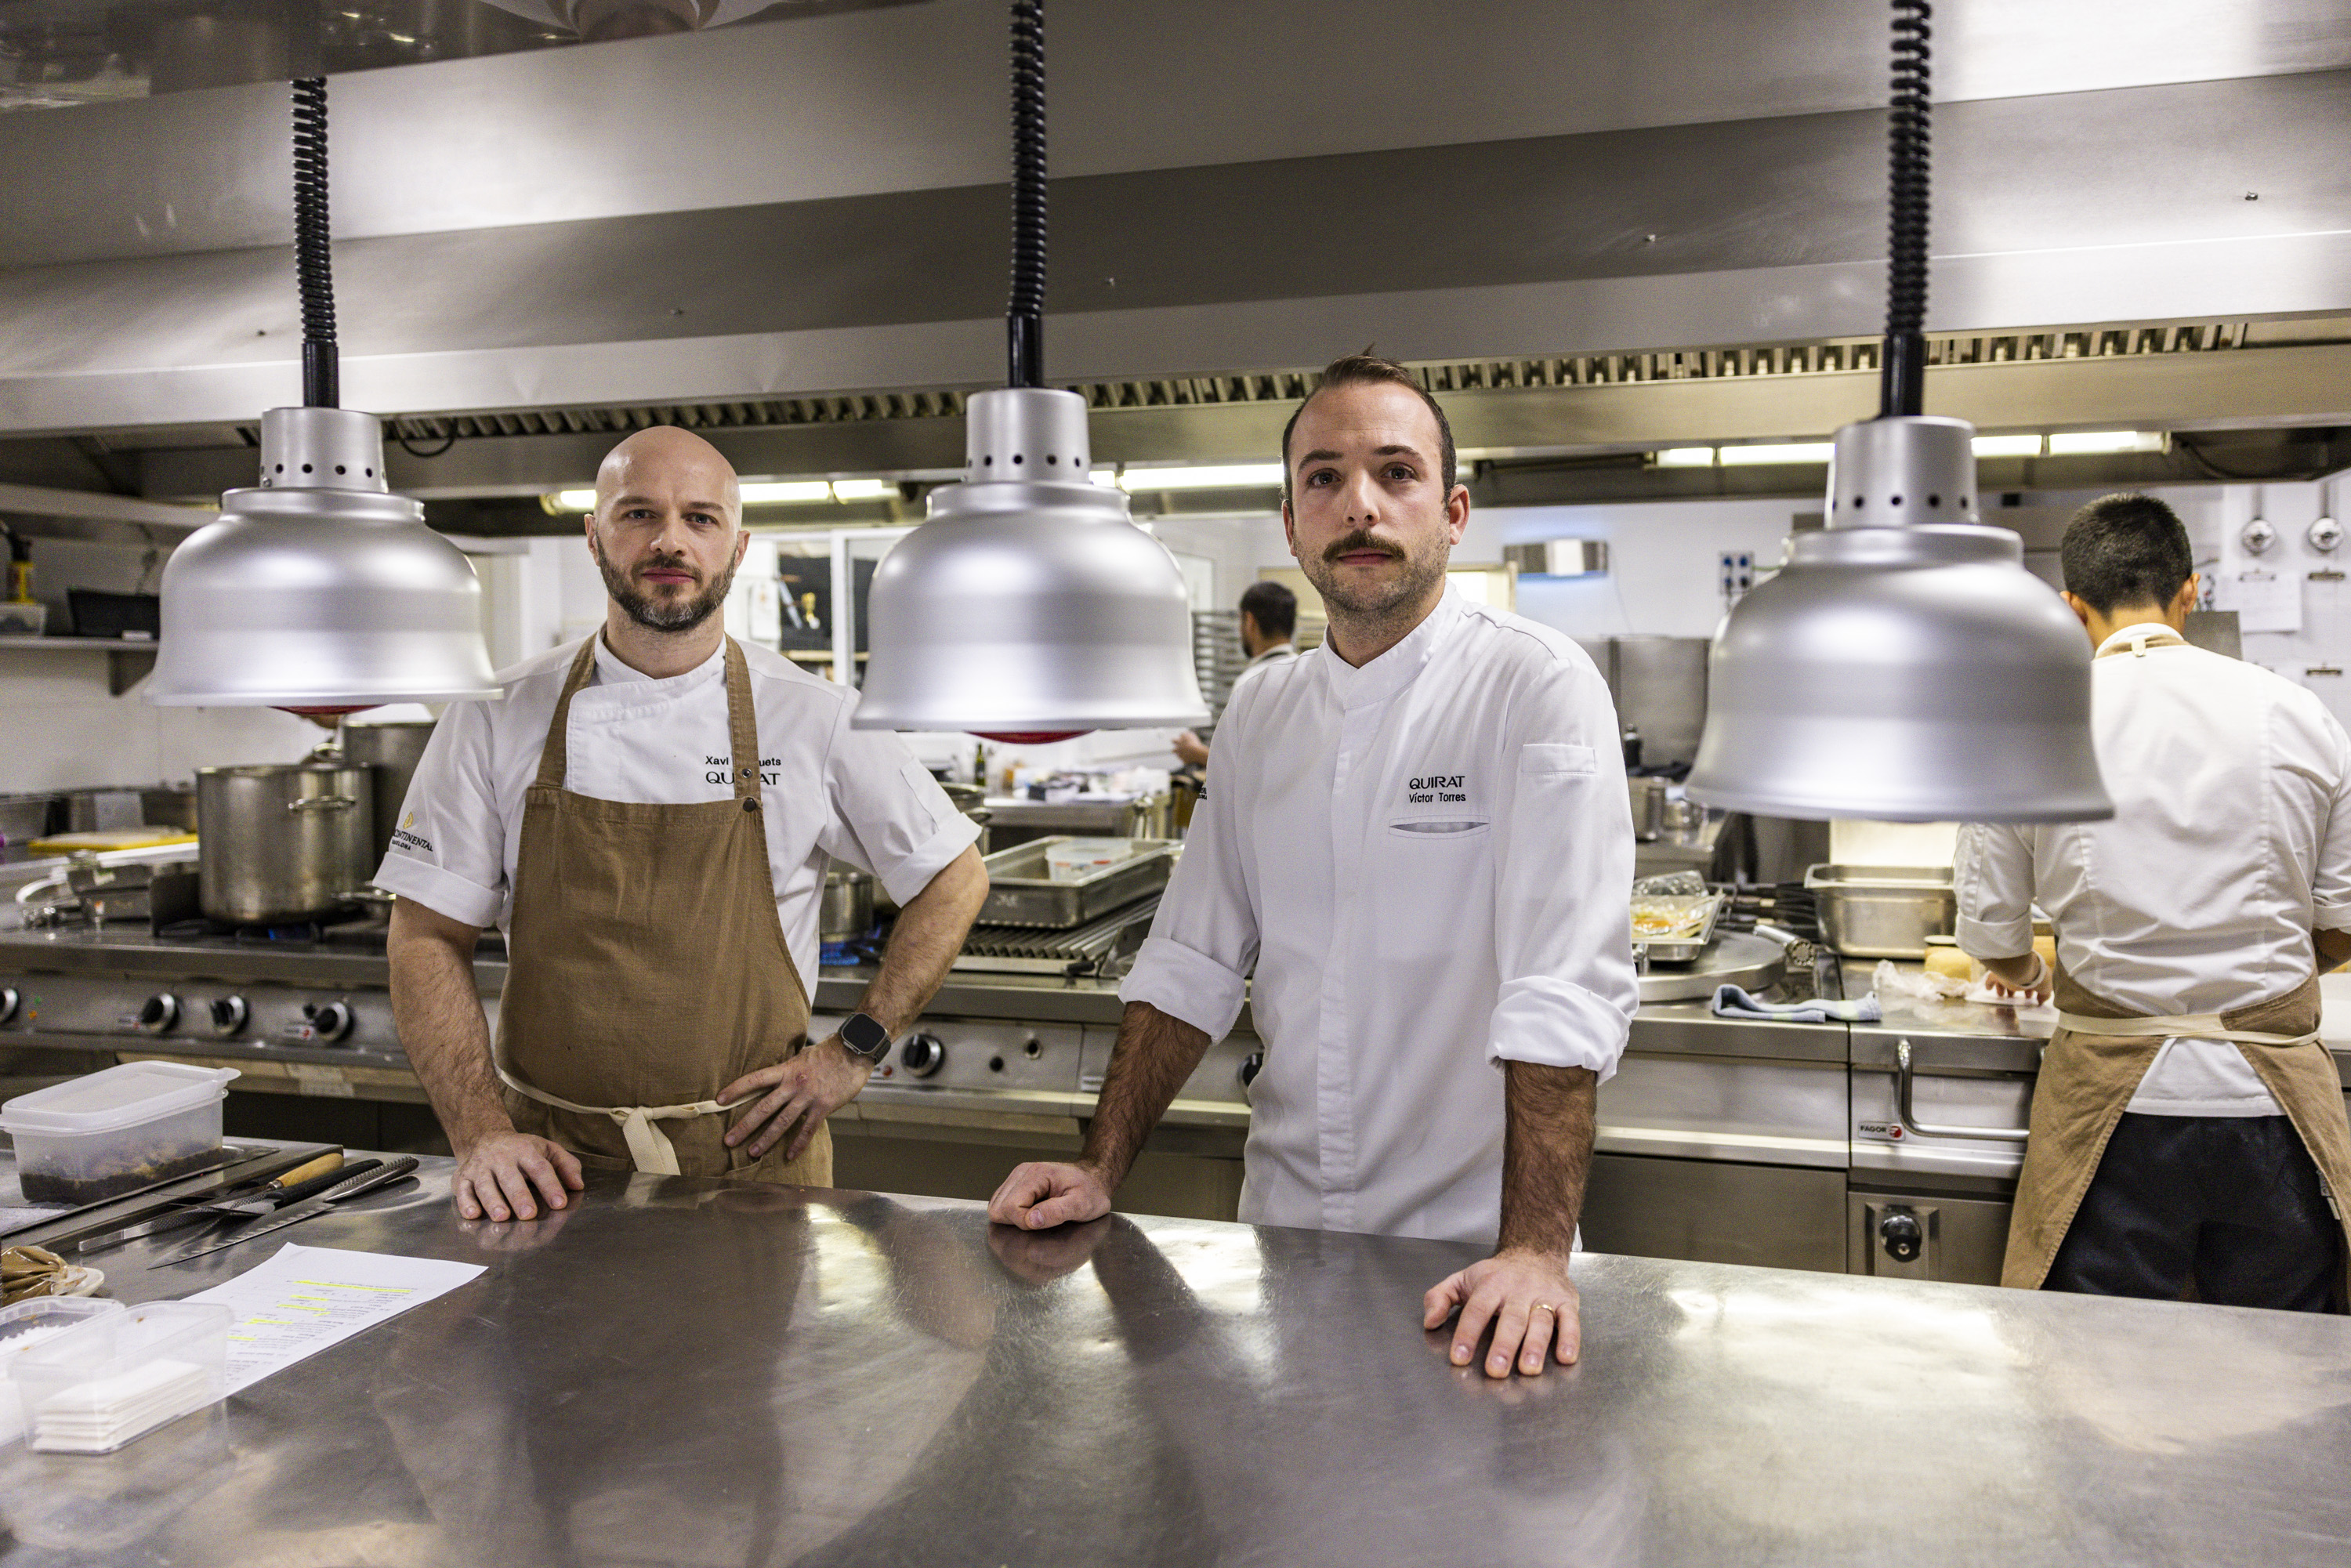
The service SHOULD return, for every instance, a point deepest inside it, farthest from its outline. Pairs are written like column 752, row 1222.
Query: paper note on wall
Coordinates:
column 2264, row 601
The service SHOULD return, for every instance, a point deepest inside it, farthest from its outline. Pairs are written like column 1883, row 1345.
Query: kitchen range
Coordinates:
column 1885, row 1148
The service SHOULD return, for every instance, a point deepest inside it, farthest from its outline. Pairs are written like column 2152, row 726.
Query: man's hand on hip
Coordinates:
column 1038, row 1196
column 805, row 1090
column 1525, row 1295
column 506, row 1175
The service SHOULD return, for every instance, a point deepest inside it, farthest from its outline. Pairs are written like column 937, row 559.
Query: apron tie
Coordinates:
column 2179, row 1026
column 649, row 1147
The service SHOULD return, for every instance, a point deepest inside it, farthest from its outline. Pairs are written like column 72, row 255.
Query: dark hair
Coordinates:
column 1273, row 607
column 2125, row 550
column 1368, row 369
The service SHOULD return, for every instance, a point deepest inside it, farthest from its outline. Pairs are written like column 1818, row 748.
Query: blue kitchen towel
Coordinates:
column 1731, row 1002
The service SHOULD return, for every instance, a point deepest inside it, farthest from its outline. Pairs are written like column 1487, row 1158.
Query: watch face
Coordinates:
column 865, row 1037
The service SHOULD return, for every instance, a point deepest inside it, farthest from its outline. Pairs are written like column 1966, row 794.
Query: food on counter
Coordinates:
column 1659, row 918
column 1950, row 962
column 29, row 1271
column 44, row 1186
column 118, row 1130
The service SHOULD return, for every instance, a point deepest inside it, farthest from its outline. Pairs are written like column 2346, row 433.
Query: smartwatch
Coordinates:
column 865, row 1039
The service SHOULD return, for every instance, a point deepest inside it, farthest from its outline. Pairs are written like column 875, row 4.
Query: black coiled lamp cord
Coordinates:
column 1024, row 316
column 1903, row 378
column 313, row 263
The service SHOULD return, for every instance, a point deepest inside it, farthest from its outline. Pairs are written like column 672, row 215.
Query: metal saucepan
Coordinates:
column 282, row 843
column 390, row 751
column 847, row 912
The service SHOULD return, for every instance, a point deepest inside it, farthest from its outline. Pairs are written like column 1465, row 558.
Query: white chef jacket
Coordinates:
column 2230, row 843
column 828, row 791
column 1428, row 863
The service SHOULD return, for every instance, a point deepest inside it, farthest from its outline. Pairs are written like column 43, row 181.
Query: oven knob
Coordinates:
column 922, row 1055
column 160, row 1013
column 333, row 1020
column 8, row 1001
column 1250, row 1065
column 1902, row 1236
column 228, row 1015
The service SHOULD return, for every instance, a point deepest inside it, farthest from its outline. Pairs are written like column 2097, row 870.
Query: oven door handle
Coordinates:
column 1916, row 1128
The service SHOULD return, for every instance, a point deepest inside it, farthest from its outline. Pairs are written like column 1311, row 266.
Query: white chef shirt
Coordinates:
column 2230, row 843
column 1428, row 863
column 828, row 791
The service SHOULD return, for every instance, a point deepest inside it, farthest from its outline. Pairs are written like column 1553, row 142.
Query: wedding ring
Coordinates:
column 1546, row 1307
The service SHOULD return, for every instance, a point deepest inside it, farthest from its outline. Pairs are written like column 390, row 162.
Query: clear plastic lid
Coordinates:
column 121, row 1096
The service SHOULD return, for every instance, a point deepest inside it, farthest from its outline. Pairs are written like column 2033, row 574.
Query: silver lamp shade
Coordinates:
column 1029, row 605
column 318, row 590
column 1903, row 665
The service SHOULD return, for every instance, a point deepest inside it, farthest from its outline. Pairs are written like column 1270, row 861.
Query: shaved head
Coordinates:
column 667, row 531
column 687, row 465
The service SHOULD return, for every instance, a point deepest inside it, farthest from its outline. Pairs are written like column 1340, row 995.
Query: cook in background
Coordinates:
column 649, row 814
column 2188, row 1127
column 1417, row 838
column 1269, row 619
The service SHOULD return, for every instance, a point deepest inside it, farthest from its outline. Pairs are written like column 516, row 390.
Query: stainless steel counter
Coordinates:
column 687, row 1371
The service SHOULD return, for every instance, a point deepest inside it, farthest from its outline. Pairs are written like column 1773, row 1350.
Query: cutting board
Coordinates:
column 103, row 840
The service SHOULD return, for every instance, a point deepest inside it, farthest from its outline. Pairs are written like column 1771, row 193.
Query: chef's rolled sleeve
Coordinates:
column 889, row 814
column 1992, row 865
column 449, row 848
column 1563, row 883
column 1196, row 964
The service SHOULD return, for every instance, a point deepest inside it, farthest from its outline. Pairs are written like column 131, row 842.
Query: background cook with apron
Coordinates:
column 2188, row 1129
column 649, row 814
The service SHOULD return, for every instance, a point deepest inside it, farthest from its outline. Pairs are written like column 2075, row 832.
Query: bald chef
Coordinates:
column 649, row 814
column 1417, row 837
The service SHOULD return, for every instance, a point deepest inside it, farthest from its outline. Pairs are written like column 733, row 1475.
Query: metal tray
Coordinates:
column 1882, row 911
column 1684, row 948
column 1020, row 892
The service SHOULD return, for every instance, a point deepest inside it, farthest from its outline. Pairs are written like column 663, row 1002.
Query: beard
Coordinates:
column 658, row 614
column 1374, row 601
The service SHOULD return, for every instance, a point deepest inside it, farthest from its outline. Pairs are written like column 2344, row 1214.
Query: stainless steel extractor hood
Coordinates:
column 813, row 219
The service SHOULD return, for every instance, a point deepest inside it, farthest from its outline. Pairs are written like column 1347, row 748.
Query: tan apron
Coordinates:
column 646, row 967
column 2093, row 1065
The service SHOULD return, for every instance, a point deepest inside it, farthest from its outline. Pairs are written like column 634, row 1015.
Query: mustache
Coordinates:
column 1361, row 540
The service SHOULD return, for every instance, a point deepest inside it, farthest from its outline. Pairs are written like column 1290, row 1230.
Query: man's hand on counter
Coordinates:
column 507, row 1175
column 1526, row 1295
column 805, row 1090
column 1039, row 1195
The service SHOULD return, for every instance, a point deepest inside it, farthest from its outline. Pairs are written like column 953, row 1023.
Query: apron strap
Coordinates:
column 742, row 727
column 2180, row 1026
column 554, row 757
column 650, row 1149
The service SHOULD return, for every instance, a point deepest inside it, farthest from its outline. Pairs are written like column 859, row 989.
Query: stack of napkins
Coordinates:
column 97, row 1417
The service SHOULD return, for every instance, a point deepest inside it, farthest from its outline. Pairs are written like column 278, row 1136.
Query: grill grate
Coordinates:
column 1021, row 949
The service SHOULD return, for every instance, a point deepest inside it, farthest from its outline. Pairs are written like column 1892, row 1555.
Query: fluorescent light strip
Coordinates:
column 2007, row 445
column 863, row 489
column 785, row 491
column 1685, row 457
column 575, row 500
column 1228, row 476
column 2080, row 443
column 1776, row 452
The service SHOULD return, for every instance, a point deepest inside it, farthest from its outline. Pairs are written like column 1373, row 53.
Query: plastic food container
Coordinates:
column 26, row 1324
column 1071, row 859
column 116, row 1131
column 96, row 1387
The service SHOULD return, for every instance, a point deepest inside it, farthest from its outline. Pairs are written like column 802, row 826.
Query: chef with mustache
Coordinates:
column 649, row 814
column 1414, row 853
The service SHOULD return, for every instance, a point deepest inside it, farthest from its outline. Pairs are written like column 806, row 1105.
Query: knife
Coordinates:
column 236, row 1206
column 308, row 1209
